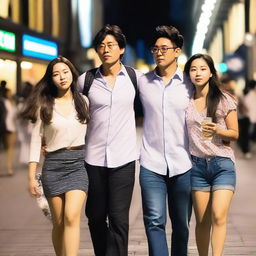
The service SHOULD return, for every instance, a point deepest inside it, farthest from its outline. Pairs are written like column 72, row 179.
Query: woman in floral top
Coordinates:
column 213, row 175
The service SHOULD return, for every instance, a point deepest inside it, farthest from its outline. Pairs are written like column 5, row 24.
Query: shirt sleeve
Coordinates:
column 36, row 141
column 139, row 74
column 229, row 103
column 80, row 82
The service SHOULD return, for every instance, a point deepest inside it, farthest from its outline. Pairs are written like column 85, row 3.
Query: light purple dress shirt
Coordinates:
column 111, row 133
column 165, row 138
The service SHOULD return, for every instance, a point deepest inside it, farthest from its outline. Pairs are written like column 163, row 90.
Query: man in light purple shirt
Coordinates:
column 165, row 159
column 110, row 146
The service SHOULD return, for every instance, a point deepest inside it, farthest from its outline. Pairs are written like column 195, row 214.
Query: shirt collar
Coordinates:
column 179, row 74
column 121, row 72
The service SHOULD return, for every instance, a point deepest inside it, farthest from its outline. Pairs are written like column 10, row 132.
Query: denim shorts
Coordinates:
column 213, row 173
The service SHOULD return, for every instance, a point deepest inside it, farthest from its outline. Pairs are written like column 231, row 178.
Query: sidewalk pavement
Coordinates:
column 24, row 231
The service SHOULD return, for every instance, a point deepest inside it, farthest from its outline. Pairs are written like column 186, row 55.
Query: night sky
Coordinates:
column 138, row 18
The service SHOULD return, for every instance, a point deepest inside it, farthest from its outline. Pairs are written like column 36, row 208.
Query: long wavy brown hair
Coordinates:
column 40, row 102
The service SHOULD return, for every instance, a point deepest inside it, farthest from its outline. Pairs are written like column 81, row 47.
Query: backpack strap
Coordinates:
column 132, row 74
column 89, row 77
column 137, row 102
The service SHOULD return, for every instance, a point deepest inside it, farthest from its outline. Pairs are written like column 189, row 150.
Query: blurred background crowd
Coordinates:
column 32, row 32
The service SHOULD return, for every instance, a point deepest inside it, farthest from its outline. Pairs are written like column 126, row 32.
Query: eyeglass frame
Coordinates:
column 161, row 49
column 110, row 46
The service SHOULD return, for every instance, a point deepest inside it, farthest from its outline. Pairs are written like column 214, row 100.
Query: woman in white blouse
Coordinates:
column 60, row 115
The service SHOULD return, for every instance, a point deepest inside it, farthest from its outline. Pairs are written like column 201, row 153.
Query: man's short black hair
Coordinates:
column 113, row 30
column 169, row 32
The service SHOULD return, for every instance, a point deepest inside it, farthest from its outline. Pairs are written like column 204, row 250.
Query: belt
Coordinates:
column 74, row 148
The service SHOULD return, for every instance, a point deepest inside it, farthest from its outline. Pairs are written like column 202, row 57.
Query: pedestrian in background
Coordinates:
column 250, row 103
column 165, row 159
column 9, row 133
column 2, row 114
column 60, row 115
column 244, row 124
column 24, row 127
column 213, row 176
column 111, row 148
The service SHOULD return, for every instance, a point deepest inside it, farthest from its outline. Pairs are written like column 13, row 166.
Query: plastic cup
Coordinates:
column 206, row 135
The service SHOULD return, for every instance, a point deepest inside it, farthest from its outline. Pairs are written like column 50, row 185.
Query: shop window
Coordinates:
column 8, row 71
column 32, row 72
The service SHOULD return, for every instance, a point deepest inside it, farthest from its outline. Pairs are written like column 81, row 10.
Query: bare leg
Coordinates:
column 74, row 201
column 220, row 206
column 202, row 209
column 57, row 204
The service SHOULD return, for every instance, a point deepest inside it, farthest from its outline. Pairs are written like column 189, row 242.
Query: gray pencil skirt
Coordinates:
column 64, row 170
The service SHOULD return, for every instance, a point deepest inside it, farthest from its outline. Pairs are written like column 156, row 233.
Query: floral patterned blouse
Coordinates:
column 215, row 147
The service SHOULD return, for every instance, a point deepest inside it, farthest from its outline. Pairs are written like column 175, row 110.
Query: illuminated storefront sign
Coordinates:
column 39, row 48
column 7, row 41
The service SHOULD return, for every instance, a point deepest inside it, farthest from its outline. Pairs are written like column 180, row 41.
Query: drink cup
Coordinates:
column 206, row 135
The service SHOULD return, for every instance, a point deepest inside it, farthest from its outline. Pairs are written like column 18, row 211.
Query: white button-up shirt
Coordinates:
column 165, row 139
column 111, row 133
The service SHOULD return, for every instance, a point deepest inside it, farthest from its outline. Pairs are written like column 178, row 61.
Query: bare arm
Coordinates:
column 231, row 133
column 32, row 182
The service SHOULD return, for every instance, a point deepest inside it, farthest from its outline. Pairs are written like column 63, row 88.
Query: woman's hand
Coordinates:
column 227, row 135
column 209, row 129
column 33, row 187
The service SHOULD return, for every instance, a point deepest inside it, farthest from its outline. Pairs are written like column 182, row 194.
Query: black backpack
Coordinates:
column 90, row 75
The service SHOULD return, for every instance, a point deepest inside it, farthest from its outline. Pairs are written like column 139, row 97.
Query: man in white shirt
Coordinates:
column 165, row 159
column 110, row 146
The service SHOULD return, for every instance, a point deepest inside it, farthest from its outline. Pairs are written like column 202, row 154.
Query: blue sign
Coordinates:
column 223, row 67
column 39, row 48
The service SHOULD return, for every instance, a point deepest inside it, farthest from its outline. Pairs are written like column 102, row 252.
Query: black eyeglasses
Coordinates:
column 162, row 49
column 110, row 46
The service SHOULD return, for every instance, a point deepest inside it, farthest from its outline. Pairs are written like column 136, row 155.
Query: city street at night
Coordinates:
column 24, row 231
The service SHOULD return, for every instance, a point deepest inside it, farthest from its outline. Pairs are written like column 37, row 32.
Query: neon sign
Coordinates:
column 7, row 41
column 39, row 48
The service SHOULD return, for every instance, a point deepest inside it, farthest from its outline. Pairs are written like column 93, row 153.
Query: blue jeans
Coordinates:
column 213, row 173
column 155, row 188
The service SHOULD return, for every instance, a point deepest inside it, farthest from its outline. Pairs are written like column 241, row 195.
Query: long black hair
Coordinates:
column 214, row 95
column 44, row 93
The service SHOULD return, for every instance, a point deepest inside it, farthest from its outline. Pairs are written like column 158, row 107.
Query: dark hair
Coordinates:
column 26, row 90
column 214, row 95
column 2, row 88
column 169, row 32
column 45, row 92
column 226, row 78
column 113, row 30
column 249, row 85
column 3, row 83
